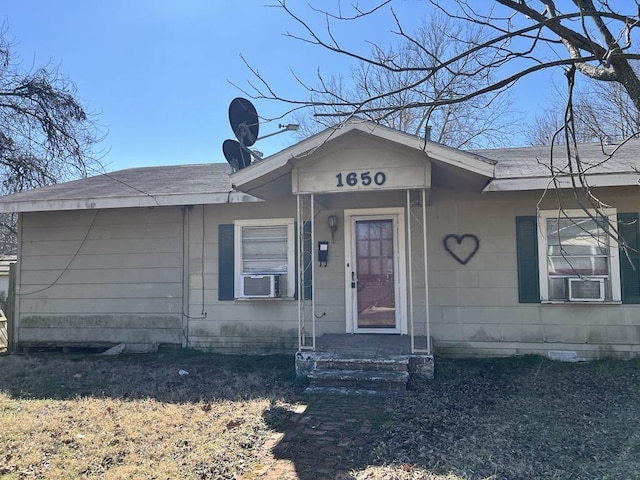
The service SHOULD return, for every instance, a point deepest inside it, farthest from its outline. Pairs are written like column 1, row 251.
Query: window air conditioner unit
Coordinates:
column 260, row 286
column 586, row 289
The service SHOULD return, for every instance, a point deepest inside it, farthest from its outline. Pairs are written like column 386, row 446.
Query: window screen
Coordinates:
column 264, row 250
column 576, row 247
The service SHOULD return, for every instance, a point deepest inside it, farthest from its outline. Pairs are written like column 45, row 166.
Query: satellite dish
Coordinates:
column 244, row 121
column 235, row 155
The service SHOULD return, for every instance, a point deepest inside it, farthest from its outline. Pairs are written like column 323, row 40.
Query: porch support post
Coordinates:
column 313, row 274
column 306, row 306
column 426, row 270
column 300, row 272
column 410, row 271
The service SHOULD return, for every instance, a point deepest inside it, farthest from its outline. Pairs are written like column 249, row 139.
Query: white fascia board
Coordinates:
column 435, row 151
column 126, row 202
column 459, row 159
column 542, row 183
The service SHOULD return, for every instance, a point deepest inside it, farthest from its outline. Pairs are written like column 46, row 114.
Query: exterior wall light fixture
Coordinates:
column 333, row 226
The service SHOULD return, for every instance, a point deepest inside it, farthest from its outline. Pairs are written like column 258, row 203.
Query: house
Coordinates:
column 356, row 232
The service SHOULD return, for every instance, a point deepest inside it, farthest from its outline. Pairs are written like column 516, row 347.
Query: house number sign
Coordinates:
column 353, row 179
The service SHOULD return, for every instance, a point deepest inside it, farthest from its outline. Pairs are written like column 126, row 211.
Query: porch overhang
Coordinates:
column 282, row 168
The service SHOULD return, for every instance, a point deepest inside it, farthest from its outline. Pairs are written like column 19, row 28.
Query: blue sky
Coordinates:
column 156, row 72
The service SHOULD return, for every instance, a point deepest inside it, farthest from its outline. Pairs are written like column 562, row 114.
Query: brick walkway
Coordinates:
column 324, row 438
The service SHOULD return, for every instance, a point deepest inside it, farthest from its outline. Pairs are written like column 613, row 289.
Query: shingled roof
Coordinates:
column 528, row 168
column 133, row 187
column 524, row 168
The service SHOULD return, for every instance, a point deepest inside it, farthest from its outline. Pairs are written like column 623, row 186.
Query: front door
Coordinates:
column 374, row 271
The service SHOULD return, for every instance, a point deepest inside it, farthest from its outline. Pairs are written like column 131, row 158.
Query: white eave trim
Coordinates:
column 542, row 183
column 126, row 202
column 462, row 160
column 451, row 156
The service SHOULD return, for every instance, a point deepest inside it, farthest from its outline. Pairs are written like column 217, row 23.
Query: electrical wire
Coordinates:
column 122, row 182
column 111, row 177
column 93, row 220
column 202, row 259
column 203, row 314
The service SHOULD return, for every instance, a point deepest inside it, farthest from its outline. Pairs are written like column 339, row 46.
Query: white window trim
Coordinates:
column 266, row 222
column 614, row 264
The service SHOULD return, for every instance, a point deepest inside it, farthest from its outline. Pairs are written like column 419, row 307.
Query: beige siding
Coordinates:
column 101, row 277
column 402, row 167
column 118, row 277
column 241, row 325
column 474, row 307
column 266, row 325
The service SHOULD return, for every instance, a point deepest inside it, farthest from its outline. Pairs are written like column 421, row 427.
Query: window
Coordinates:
column 578, row 257
column 265, row 247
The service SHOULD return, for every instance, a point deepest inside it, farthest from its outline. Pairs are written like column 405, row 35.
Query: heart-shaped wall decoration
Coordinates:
column 461, row 247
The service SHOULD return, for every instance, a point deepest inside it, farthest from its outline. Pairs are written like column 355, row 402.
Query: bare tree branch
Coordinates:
column 593, row 40
column 46, row 134
column 607, row 60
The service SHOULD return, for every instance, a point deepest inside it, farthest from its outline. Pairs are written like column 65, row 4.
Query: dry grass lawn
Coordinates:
column 135, row 417
column 83, row 416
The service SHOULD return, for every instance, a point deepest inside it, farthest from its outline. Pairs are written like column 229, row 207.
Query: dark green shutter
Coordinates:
column 226, row 280
column 629, row 257
column 307, row 258
column 527, row 252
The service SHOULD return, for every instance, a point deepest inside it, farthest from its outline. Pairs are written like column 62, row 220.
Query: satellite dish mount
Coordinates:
column 243, row 118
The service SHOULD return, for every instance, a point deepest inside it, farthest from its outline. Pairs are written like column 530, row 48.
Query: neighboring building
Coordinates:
column 327, row 237
column 5, row 262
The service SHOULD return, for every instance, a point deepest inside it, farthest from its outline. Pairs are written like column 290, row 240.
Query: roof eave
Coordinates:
column 125, row 202
column 563, row 182
column 281, row 161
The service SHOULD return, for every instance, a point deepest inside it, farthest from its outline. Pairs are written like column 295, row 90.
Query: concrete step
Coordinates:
column 366, row 380
column 378, row 364
column 346, row 391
